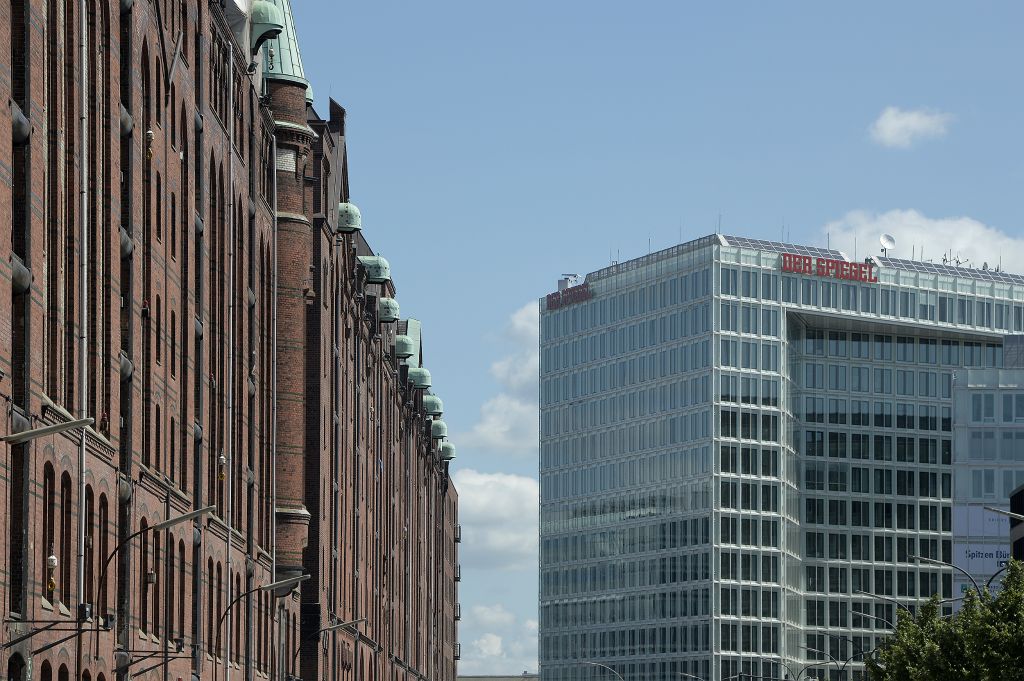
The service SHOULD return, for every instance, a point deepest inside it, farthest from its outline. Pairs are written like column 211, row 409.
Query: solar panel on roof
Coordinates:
column 951, row 270
column 779, row 247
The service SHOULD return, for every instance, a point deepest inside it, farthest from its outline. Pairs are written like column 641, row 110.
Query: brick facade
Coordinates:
column 148, row 182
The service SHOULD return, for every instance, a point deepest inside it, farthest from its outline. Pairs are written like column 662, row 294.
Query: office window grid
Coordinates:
column 818, row 459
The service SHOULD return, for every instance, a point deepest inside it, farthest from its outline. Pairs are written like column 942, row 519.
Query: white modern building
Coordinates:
column 740, row 441
column 988, row 461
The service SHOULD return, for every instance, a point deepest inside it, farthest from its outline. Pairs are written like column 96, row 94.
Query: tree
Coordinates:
column 984, row 641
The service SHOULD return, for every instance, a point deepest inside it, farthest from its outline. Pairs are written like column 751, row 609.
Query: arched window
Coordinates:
column 170, row 577
column 49, row 511
column 67, row 550
column 210, row 641
column 158, row 340
column 143, row 576
column 103, row 532
column 158, row 99
column 46, row 672
column 147, row 92
column 217, row 652
column 174, row 118
column 158, row 430
column 62, row 673
column 181, row 588
column 157, row 596
column 159, row 208
column 174, row 343
column 237, row 619
column 16, row 668
column 90, row 543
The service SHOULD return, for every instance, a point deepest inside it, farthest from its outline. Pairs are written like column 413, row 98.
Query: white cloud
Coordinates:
column 508, row 421
column 489, row 645
column 492, row 615
column 953, row 236
column 518, row 371
column 498, row 512
column 507, row 424
column 507, row 648
column 900, row 129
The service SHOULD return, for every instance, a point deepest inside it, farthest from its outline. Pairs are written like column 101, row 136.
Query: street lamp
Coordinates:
column 884, row 598
column 955, row 567
column 603, row 666
column 162, row 525
column 273, row 587
column 332, row 627
column 1008, row 514
column 690, row 676
column 53, row 429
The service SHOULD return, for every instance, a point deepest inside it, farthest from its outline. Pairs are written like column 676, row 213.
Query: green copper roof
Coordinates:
column 287, row 62
column 413, row 331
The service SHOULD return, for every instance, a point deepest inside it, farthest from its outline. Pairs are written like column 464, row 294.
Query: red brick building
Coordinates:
column 183, row 266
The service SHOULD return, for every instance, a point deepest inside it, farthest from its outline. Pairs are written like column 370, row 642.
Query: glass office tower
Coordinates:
column 744, row 446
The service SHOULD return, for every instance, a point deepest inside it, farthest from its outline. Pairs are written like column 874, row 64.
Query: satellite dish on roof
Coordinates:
column 887, row 242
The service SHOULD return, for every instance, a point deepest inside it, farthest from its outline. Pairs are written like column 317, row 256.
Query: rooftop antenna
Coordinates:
column 888, row 242
column 855, row 247
column 718, row 230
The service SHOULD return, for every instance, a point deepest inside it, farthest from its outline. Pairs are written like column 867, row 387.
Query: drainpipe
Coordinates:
column 232, row 293
column 83, row 302
column 273, row 388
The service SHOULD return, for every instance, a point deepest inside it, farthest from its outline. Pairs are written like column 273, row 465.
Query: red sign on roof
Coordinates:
column 569, row 296
column 825, row 267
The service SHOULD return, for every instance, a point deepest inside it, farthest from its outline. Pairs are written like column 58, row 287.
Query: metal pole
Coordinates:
column 230, row 386
column 83, row 325
column 603, row 666
column 955, row 567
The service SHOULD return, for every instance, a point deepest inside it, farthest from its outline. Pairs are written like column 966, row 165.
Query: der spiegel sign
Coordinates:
column 825, row 267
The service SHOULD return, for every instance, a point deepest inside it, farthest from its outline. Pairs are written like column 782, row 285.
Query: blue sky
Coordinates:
column 493, row 146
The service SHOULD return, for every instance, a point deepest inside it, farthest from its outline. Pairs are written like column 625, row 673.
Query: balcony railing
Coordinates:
column 458, row 533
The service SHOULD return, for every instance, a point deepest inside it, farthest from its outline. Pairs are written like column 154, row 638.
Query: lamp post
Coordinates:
column 26, row 435
column 955, row 567
column 273, row 586
column 332, row 627
column 1008, row 514
column 163, row 525
column 604, row 666
column 884, row 598
column 690, row 676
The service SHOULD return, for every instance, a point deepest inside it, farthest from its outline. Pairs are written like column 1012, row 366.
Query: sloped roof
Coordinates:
column 287, row 62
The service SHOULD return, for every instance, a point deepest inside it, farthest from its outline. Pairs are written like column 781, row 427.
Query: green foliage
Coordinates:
column 984, row 641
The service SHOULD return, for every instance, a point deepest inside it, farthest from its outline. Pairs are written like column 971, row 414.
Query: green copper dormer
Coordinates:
column 404, row 347
column 266, row 22
column 378, row 271
column 420, row 378
column 438, row 429
column 433, row 405
column 387, row 310
column 349, row 218
column 281, row 58
column 447, row 451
